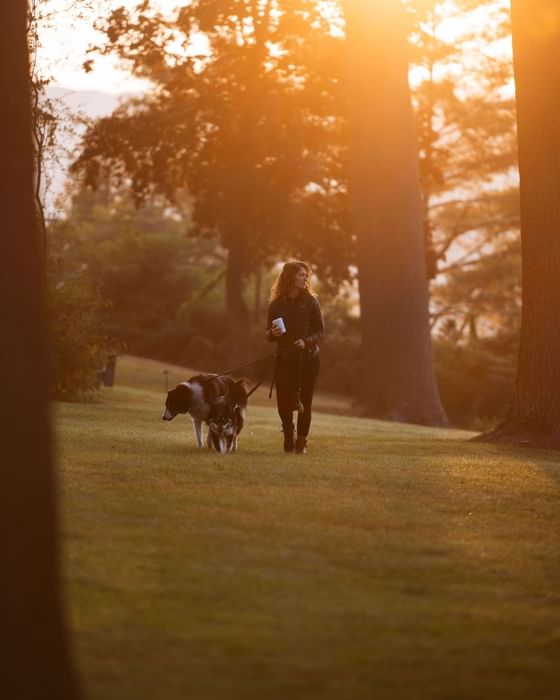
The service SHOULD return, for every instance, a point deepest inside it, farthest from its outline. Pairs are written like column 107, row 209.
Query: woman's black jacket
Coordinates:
column 303, row 319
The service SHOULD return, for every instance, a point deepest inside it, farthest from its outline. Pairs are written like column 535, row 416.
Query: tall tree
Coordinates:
column 399, row 381
column 34, row 662
column 466, row 125
column 534, row 417
column 241, row 118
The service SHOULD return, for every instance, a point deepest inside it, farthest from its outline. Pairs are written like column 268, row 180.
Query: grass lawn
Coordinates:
column 390, row 562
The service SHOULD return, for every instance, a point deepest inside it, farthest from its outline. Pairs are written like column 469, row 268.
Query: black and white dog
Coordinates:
column 225, row 422
column 219, row 402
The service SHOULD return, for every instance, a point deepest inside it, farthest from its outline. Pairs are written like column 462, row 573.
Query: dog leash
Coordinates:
column 249, row 364
column 256, row 362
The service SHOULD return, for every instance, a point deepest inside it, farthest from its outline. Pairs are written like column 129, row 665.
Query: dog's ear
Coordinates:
column 179, row 399
column 239, row 392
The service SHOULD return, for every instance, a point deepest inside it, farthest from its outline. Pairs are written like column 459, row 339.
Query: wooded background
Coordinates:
column 181, row 203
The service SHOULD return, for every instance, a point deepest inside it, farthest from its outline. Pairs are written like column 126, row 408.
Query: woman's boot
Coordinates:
column 301, row 445
column 289, row 435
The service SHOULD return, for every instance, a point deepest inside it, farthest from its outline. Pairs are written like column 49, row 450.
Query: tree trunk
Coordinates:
column 244, row 200
column 238, row 313
column 34, row 659
column 534, row 417
column 398, row 376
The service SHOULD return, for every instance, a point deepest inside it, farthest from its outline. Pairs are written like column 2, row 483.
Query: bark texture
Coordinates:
column 398, row 375
column 534, row 417
column 34, row 658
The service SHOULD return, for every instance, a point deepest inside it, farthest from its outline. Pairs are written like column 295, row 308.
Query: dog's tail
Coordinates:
column 250, row 393
column 240, row 391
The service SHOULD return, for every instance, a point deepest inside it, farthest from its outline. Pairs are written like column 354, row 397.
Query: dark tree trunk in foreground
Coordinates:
column 534, row 417
column 34, row 658
column 398, row 375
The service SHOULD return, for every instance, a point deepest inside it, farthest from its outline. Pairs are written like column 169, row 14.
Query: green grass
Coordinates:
column 390, row 562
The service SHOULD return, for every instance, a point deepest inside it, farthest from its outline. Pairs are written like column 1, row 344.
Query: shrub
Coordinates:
column 476, row 379
column 78, row 346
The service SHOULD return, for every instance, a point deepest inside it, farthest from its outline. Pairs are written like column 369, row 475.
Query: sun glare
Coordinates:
column 65, row 42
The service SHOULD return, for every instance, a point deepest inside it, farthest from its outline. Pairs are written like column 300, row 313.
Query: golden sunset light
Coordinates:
column 280, row 350
column 63, row 60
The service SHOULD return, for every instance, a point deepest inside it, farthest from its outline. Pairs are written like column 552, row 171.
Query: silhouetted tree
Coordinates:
column 466, row 126
column 246, row 125
column 398, row 377
column 34, row 659
column 534, row 417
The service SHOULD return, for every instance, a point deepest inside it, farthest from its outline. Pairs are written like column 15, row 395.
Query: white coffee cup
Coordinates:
column 278, row 324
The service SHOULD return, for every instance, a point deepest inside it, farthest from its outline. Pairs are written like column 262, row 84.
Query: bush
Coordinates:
column 78, row 346
column 476, row 379
column 340, row 352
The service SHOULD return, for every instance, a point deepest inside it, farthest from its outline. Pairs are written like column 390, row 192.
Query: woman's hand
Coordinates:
column 300, row 344
column 276, row 332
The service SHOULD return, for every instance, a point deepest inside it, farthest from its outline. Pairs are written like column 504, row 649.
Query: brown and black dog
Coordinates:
column 220, row 402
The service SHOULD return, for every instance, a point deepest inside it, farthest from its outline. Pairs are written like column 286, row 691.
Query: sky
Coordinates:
column 65, row 44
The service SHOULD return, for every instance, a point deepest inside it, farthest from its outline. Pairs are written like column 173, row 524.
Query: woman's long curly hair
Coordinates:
column 285, row 280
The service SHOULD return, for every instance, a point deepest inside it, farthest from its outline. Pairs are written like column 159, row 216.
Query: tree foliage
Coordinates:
column 466, row 122
column 241, row 115
column 157, row 285
column 464, row 110
column 247, row 114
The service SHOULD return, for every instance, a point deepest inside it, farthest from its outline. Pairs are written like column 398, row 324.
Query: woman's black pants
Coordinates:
column 296, row 374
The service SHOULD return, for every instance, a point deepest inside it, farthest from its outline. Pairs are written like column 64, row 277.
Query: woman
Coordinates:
column 297, row 356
